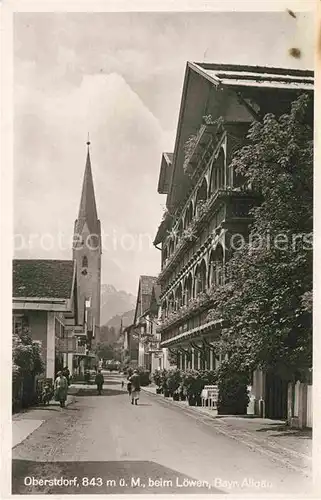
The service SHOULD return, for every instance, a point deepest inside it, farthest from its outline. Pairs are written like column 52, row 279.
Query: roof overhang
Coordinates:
column 38, row 304
column 162, row 230
column 165, row 174
column 221, row 90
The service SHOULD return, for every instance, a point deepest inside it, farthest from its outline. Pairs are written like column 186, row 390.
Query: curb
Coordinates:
column 252, row 443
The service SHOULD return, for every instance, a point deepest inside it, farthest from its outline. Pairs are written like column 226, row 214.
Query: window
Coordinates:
column 85, row 261
column 18, row 323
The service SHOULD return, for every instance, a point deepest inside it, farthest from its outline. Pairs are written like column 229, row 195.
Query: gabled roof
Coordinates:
column 157, row 293
column 44, row 279
column 165, row 173
column 162, row 229
column 155, row 298
column 144, row 294
column 235, row 93
column 231, row 75
column 87, row 208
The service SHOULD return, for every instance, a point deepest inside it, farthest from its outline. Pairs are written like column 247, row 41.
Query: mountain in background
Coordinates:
column 111, row 330
column 115, row 303
column 126, row 318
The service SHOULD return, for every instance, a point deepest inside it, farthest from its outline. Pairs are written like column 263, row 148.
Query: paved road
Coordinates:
column 103, row 444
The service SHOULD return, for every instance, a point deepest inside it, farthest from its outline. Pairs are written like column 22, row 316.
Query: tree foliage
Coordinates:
column 266, row 301
column 26, row 355
column 108, row 351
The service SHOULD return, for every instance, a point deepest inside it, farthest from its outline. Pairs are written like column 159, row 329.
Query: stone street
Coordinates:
column 103, row 444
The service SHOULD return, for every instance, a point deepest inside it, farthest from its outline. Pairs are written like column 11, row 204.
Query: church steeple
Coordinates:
column 87, row 208
column 87, row 249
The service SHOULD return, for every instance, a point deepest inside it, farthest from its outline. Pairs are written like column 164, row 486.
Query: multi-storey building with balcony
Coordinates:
column 208, row 204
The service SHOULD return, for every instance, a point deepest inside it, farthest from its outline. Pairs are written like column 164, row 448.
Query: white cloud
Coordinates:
column 127, row 142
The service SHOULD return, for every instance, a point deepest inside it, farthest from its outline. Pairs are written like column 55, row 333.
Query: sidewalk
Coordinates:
column 272, row 437
column 27, row 421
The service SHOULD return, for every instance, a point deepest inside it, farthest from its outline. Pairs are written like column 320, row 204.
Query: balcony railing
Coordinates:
column 198, row 304
column 70, row 345
column 199, row 146
column 203, row 211
column 191, row 232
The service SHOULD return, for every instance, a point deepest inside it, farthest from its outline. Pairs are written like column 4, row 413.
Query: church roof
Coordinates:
column 52, row 279
column 87, row 209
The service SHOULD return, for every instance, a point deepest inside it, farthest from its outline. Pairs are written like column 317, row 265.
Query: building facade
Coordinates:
column 45, row 302
column 146, row 323
column 208, row 206
column 130, row 346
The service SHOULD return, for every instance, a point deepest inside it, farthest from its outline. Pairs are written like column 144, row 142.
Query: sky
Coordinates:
column 118, row 76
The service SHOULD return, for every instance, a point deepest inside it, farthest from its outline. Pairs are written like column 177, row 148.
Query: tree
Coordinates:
column 26, row 356
column 266, row 301
column 105, row 350
column 109, row 351
column 26, row 364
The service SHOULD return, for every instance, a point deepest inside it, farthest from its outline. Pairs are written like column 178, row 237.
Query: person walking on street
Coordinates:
column 61, row 389
column 66, row 373
column 122, row 384
column 129, row 388
column 99, row 381
column 135, row 380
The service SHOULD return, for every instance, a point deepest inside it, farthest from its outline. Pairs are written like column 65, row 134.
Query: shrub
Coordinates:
column 164, row 376
column 157, row 378
column 233, row 394
column 193, row 382
column 174, row 378
column 26, row 364
column 144, row 376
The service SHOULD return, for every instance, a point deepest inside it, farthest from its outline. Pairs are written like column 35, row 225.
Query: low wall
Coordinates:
column 300, row 405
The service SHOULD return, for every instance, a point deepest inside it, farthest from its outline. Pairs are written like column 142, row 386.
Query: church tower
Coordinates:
column 87, row 253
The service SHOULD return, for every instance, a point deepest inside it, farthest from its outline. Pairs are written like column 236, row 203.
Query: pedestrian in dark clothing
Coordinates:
column 129, row 388
column 135, row 381
column 122, row 384
column 99, row 381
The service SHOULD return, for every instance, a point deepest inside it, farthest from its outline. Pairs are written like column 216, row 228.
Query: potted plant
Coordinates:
column 181, row 393
column 157, row 379
column 233, row 391
column 194, row 382
column 191, row 384
column 173, row 381
column 163, row 375
column 176, row 396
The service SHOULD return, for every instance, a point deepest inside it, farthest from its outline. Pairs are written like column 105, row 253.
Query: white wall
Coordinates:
column 309, row 406
column 301, row 401
column 50, row 364
column 296, row 399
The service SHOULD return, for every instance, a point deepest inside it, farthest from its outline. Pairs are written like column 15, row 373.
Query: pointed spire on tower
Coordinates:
column 87, row 208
